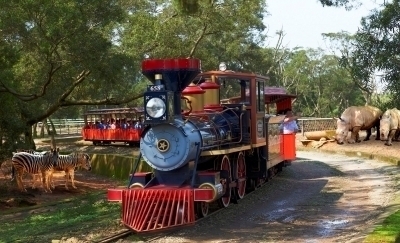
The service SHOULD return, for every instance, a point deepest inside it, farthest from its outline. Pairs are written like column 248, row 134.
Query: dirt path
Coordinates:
column 320, row 198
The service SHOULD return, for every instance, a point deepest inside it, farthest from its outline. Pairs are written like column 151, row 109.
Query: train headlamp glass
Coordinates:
column 222, row 67
column 155, row 107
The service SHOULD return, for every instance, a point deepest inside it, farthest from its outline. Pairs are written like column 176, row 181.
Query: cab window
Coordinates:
column 260, row 96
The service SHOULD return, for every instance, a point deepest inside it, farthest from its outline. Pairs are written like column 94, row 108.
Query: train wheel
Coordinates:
column 225, row 165
column 202, row 209
column 241, row 175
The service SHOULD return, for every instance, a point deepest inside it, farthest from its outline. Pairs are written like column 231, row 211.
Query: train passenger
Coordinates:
column 289, row 123
column 138, row 125
column 124, row 124
column 130, row 124
column 99, row 125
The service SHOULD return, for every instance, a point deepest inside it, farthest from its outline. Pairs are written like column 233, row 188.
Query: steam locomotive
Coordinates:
column 203, row 149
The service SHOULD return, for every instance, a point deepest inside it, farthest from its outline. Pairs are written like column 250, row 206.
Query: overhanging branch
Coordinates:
column 30, row 97
column 53, row 108
column 99, row 102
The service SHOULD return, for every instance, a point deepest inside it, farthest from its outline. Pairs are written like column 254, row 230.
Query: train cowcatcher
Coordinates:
column 203, row 149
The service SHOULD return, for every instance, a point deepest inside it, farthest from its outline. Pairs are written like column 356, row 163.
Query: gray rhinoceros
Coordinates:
column 389, row 126
column 355, row 119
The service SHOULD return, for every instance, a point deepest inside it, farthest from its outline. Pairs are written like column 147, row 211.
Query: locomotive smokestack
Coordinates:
column 170, row 77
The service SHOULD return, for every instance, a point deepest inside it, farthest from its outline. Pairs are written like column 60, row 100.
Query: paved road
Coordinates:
column 320, row 198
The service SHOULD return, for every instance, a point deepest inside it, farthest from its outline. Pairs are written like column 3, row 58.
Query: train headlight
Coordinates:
column 155, row 107
column 158, row 106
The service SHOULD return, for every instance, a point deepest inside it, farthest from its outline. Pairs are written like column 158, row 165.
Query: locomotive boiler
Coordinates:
column 208, row 150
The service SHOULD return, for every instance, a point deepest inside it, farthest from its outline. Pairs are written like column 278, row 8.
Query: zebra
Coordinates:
column 33, row 164
column 67, row 163
column 37, row 176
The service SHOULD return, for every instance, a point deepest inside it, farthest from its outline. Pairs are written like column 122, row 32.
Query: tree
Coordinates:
column 359, row 66
column 227, row 31
column 190, row 7
column 318, row 80
column 348, row 4
column 377, row 46
column 57, row 54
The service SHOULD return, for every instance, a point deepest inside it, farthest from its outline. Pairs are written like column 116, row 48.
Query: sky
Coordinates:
column 303, row 21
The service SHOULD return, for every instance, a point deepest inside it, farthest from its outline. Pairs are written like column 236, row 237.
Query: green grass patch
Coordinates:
column 387, row 232
column 84, row 219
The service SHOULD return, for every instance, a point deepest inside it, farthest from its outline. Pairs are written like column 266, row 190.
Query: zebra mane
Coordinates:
column 77, row 154
column 31, row 151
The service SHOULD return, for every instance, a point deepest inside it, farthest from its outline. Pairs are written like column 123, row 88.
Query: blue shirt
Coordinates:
column 289, row 127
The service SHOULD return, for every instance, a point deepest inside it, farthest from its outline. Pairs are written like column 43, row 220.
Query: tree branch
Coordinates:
column 79, row 79
column 196, row 43
column 107, row 101
column 29, row 97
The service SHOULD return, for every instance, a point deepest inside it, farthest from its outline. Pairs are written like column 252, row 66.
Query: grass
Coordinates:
column 388, row 232
column 89, row 218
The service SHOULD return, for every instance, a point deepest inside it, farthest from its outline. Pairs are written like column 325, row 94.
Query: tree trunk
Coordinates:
column 34, row 130
column 29, row 142
column 53, row 141
column 53, row 128
column 44, row 123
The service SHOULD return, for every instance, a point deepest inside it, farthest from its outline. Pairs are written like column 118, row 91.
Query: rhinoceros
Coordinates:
column 355, row 119
column 390, row 126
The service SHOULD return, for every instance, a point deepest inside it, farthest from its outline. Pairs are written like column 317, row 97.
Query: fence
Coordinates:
column 74, row 126
column 64, row 126
column 316, row 124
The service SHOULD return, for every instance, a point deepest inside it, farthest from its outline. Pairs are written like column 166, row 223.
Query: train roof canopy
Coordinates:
column 125, row 110
column 276, row 94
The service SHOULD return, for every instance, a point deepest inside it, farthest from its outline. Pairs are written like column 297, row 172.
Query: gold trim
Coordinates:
column 136, row 185
column 208, row 185
column 232, row 150
column 163, row 145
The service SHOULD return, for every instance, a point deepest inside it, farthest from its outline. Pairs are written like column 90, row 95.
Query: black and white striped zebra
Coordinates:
column 33, row 164
column 38, row 176
column 68, row 163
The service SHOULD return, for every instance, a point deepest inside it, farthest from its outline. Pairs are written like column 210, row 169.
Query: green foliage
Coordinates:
column 47, row 51
column 387, row 232
column 348, row 4
column 223, row 31
column 318, row 80
column 186, row 6
column 377, row 45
